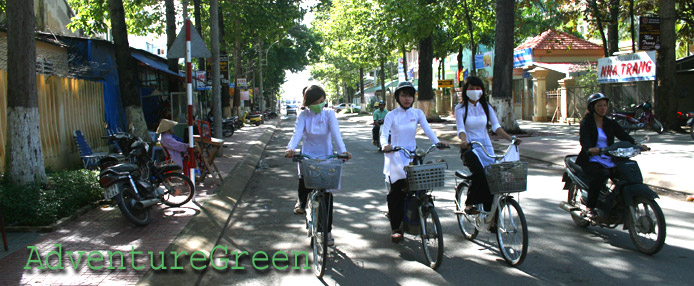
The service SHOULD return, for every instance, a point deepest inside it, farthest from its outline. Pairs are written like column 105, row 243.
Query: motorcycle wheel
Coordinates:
column 227, row 131
column 466, row 222
column 657, row 126
column 179, row 189
column 574, row 200
column 126, row 203
column 648, row 231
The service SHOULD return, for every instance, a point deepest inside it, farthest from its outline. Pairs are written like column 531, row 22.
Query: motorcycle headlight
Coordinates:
column 624, row 152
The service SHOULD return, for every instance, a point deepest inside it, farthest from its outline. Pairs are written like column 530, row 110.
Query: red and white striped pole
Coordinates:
column 189, row 92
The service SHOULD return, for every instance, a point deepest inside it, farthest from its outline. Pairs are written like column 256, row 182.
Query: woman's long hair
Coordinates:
column 476, row 81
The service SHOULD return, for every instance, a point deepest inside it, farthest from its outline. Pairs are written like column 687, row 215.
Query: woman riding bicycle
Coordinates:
column 472, row 118
column 316, row 125
column 401, row 124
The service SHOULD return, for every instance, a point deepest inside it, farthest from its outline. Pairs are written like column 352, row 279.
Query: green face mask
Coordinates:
column 316, row 108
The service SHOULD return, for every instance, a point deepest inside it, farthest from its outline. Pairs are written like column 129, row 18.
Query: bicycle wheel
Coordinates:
column 178, row 189
column 574, row 199
column 466, row 222
column 319, row 237
column 511, row 231
column 648, row 231
column 432, row 237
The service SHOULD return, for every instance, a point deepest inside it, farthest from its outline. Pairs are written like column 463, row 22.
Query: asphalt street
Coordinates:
column 559, row 252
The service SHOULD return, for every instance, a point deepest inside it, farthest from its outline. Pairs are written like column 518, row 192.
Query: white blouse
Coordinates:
column 316, row 131
column 401, row 124
column 475, row 128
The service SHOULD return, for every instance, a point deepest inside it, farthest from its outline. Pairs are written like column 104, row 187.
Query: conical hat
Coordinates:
column 165, row 125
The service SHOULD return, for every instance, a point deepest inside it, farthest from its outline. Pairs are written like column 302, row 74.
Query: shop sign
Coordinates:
column 649, row 33
column 632, row 67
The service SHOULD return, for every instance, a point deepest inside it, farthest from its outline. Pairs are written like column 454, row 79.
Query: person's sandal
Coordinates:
column 331, row 240
column 396, row 236
column 298, row 209
column 472, row 209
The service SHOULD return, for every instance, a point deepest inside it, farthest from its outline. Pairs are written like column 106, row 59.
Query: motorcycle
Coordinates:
column 630, row 122
column 377, row 142
column 140, row 184
column 626, row 201
column 687, row 117
column 269, row 114
column 228, row 127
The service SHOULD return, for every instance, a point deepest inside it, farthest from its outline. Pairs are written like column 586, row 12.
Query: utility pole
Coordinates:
column 260, row 69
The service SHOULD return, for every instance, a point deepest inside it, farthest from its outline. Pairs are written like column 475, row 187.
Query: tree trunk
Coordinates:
column 404, row 61
column 596, row 15
column 171, row 31
column 23, row 153
column 424, row 89
column 216, row 94
column 503, row 65
column 383, row 78
column 666, row 100
column 473, row 45
column 613, row 28
column 237, row 65
column 361, row 86
column 631, row 29
column 198, row 26
column 127, row 72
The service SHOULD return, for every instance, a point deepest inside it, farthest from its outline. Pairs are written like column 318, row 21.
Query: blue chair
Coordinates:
column 157, row 149
column 90, row 160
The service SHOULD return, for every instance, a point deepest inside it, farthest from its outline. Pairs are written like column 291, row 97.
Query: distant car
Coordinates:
column 342, row 106
column 291, row 109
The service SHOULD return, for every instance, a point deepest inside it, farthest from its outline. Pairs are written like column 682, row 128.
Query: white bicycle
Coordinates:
column 506, row 217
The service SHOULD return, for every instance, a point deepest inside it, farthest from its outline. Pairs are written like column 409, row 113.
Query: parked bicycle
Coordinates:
column 420, row 217
column 319, row 175
column 506, row 217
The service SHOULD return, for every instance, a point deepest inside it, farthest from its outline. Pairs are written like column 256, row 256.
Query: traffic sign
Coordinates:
column 445, row 83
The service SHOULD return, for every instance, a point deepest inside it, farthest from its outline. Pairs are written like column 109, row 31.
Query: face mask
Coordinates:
column 316, row 108
column 474, row 95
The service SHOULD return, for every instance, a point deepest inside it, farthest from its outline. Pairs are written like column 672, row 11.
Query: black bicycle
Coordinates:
column 319, row 175
column 420, row 217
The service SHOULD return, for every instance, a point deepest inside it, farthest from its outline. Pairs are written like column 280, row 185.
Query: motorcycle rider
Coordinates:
column 379, row 115
column 596, row 132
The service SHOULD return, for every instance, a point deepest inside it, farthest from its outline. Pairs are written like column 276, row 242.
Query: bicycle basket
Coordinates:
column 426, row 176
column 321, row 174
column 507, row 177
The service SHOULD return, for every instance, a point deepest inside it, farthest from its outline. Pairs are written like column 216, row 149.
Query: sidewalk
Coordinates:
column 666, row 166
column 104, row 229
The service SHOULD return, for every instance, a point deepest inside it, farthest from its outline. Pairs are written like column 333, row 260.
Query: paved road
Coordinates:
column 559, row 252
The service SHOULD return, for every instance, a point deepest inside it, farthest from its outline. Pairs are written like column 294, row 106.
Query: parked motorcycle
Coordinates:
column 688, row 119
column 269, row 114
column 141, row 184
column 630, row 122
column 626, row 201
column 228, row 127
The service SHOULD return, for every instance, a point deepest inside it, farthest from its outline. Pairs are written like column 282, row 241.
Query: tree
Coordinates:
column 23, row 153
column 216, row 93
column 503, row 64
column 126, row 70
column 666, row 100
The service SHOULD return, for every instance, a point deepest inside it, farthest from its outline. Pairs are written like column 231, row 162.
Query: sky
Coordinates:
column 297, row 81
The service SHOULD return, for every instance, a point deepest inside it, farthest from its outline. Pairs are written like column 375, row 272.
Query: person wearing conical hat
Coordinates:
column 175, row 148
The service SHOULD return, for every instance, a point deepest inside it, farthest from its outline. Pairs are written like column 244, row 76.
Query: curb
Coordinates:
column 203, row 232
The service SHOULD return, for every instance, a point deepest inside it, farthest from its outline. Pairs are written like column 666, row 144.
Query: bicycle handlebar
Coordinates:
column 513, row 142
column 413, row 153
column 299, row 157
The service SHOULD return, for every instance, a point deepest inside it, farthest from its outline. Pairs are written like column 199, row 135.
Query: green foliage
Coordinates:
column 587, row 78
column 141, row 16
column 61, row 196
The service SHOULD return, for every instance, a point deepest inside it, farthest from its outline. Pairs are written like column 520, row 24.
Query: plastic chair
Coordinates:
column 157, row 147
column 90, row 159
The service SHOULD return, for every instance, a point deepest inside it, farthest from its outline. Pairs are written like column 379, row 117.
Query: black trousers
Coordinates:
column 597, row 176
column 375, row 132
column 479, row 188
column 327, row 201
column 396, row 203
